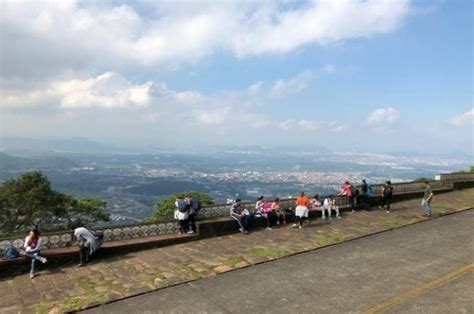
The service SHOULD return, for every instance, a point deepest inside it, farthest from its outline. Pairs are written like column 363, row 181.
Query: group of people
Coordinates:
column 275, row 214
column 186, row 210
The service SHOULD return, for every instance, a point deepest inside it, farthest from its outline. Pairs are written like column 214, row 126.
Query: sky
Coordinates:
column 349, row 75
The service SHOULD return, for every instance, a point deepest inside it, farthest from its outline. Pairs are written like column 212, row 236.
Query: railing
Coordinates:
column 125, row 232
column 459, row 176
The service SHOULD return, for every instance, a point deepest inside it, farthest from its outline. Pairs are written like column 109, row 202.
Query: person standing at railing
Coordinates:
column 351, row 192
column 301, row 210
column 387, row 193
column 426, row 201
column 364, row 195
column 182, row 214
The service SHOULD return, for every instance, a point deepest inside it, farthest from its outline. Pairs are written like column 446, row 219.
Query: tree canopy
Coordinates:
column 164, row 209
column 29, row 201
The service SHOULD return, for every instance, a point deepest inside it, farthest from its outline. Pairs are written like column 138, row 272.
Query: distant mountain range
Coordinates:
column 9, row 163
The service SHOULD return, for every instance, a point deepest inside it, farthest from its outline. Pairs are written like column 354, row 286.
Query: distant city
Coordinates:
column 132, row 183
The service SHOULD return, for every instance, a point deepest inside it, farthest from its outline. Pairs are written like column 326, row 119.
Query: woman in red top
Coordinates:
column 301, row 211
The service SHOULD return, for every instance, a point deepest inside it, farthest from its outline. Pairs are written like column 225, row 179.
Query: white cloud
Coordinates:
column 383, row 117
column 292, row 85
column 108, row 90
column 51, row 36
column 466, row 118
column 307, row 125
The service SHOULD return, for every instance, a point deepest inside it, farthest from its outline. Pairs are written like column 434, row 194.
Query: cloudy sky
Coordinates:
column 348, row 75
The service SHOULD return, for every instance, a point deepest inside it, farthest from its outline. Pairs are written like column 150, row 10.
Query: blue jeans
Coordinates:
column 34, row 257
column 243, row 221
column 426, row 207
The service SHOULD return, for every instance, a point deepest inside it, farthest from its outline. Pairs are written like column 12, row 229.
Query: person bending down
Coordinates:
column 88, row 242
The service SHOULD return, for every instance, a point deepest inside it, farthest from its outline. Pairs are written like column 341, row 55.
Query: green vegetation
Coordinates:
column 29, row 201
column 164, row 209
column 268, row 253
column 423, row 179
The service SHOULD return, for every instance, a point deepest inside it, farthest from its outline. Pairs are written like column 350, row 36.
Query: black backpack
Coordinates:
column 388, row 191
column 196, row 205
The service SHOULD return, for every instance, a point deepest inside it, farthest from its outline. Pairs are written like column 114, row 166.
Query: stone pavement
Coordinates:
column 60, row 288
column 421, row 268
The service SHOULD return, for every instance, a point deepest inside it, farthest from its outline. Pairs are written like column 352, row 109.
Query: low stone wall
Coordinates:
column 60, row 239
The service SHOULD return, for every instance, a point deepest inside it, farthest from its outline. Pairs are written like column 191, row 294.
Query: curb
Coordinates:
column 275, row 259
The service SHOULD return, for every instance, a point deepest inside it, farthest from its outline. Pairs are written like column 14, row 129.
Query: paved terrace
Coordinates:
column 65, row 288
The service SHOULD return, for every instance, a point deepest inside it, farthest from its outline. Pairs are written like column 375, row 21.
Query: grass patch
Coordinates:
column 269, row 253
column 232, row 261
column 42, row 308
column 188, row 271
column 330, row 239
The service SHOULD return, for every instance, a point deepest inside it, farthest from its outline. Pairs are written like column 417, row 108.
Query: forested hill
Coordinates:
column 8, row 162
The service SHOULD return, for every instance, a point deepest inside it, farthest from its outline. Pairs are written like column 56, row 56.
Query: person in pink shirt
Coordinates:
column 276, row 208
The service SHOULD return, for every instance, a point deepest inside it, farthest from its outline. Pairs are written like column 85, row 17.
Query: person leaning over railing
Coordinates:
column 241, row 215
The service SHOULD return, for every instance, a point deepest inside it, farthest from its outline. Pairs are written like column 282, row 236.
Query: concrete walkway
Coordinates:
column 423, row 268
column 65, row 287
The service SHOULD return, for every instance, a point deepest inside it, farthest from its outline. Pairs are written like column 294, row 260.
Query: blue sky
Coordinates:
column 348, row 75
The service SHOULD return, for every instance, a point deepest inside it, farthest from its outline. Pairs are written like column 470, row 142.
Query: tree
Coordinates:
column 29, row 201
column 164, row 209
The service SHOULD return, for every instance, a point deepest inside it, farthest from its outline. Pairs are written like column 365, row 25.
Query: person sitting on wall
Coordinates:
column 270, row 215
column 276, row 207
column 240, row 214
column 32, row 250
column 89, row 242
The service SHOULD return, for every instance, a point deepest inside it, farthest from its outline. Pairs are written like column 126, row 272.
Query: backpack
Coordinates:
column 388, row 191
column 196, row 205
column 11, row 252
column 369, row 191
column 354, row 191
column 182, row 206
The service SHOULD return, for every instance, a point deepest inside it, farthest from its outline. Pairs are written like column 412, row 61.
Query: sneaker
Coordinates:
column 80, row 265
column 278, row 222
column 338, row 217
column 388, row 212
column 353, row 211
column 32, row 275
column 300, row 227
column 268, row 228
column 43, row 260
column 381, row 207
column 294, row 225
column 246, row 232
column 324, row 217
column 190, row 232
column 241, row 230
